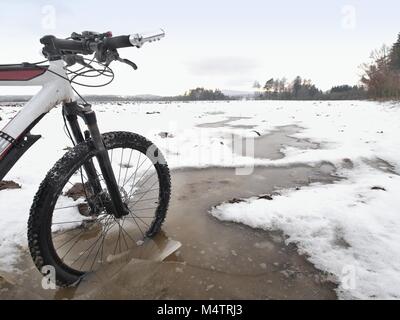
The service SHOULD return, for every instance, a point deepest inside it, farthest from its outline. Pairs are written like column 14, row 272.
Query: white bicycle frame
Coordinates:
column 55, row 89
column 15, row 138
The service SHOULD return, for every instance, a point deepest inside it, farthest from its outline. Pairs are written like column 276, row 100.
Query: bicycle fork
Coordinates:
column 72, row 110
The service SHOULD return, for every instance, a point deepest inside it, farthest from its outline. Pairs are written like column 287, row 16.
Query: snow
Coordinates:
column 341, row 227
column 345, row 228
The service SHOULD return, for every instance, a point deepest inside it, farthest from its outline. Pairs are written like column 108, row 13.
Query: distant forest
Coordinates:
column 200, row 94
column 302, row 89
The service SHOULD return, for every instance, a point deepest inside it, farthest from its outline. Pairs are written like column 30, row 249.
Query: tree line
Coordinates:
column 380, row 80
column 304, row 89
column 200, row 94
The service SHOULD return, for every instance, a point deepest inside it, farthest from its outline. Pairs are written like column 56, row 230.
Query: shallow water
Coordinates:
column 219, row 260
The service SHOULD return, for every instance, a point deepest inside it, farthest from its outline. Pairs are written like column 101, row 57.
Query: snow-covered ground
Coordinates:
column 350, row 228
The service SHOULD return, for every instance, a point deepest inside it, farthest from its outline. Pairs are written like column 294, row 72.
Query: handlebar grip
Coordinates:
column 117, row 42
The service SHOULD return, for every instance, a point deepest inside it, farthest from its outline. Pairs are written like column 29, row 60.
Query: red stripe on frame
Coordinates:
column 5, row 151
column 20, row 75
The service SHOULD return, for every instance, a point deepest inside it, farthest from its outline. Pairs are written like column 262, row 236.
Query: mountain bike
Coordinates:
column 110, row 191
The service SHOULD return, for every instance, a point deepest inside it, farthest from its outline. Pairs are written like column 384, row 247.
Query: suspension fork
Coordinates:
column 88, row 166
column 72, row 110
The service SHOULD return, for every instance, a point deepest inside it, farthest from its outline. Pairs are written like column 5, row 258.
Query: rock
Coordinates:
column 76, row 191
column 164, row 134
column 4, row 184
column 378, row 188
column 347, row 163
column 266, row 197
column 235, row 200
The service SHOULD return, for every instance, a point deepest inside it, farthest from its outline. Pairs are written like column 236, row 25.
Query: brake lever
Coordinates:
column 128, row 62
column 114, row 56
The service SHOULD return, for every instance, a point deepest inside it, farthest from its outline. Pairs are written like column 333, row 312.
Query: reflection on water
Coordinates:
column 158, row 248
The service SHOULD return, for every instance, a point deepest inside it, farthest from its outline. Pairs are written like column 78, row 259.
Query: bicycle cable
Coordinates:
column 106, row 71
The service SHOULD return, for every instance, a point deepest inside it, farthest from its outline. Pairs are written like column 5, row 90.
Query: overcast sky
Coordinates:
column 215, row 44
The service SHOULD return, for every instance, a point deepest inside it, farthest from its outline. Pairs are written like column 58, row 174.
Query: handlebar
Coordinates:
column 90, row 42
column 117, row 42
column 54, row 46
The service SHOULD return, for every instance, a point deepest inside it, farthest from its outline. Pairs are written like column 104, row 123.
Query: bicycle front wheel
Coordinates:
column 71, row 227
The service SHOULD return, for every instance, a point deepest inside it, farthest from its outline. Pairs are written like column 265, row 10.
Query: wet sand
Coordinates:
column 217, row 260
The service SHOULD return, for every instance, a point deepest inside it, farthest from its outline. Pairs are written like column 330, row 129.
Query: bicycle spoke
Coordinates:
column 137, row 168
column 66, row 222
column 129, row 235
column 70, row 249
column 148, row 180
column 156, row 198
column 68, row 230
column 95, row 257
column 71, row 206
column 137, row 224
column 120, row 165
column 117, row 242
column 138, row 217
column 127, row 167
column 143, row 194
column 134, row 216
column 136, row 193
column 70, row 239
column 140, row 209
column 83, row 230
column 134, row 184
column 123, row 236
column 94, row 245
